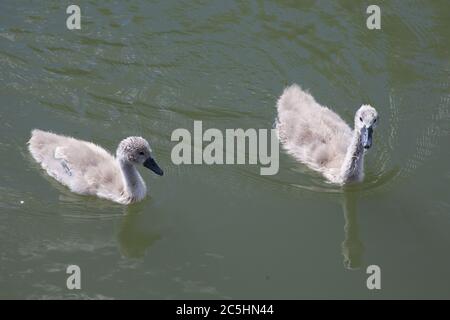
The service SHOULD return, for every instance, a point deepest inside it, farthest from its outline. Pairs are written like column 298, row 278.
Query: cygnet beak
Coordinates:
column 151, row 164
column 366, row 137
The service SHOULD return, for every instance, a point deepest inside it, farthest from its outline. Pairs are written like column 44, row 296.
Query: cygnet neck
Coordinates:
column 134, row 184
column 353, row 166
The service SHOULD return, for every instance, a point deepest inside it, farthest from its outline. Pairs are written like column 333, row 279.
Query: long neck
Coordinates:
column 134, row 184
column 353, row 166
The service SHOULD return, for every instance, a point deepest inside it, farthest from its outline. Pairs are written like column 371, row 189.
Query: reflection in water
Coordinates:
column 352, row 247
column 134, row 237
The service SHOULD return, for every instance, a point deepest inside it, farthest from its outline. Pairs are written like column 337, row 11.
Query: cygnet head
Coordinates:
column 136, row 150
column 365, row 121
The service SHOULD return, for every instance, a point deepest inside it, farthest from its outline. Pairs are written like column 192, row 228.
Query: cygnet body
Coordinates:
column 88, row 169
column 318, row 137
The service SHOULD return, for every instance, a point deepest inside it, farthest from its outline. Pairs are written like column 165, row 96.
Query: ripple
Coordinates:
column 73, row 72
column 89, row 41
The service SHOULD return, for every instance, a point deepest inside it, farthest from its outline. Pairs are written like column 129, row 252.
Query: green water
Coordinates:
column 149, row 67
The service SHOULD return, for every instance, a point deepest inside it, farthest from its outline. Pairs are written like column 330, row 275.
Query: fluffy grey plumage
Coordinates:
column 86, row 168
column 318, row 137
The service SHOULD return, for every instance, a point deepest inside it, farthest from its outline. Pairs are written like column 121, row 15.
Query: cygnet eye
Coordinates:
column 375, row 120
column 141, row 153
column 360, row 118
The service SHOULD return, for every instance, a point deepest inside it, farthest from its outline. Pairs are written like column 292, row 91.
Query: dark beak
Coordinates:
column 152, row 165
column 366, row 137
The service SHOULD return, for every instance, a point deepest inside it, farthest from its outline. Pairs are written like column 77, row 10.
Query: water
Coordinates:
column 147, row 68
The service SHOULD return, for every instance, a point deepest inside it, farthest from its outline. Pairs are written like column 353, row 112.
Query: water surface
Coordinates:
column 149, row 67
